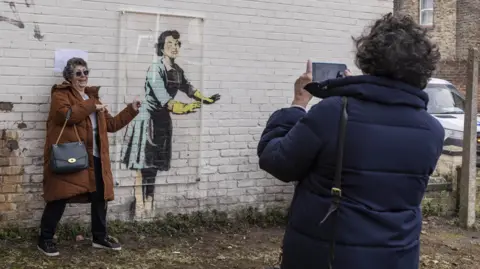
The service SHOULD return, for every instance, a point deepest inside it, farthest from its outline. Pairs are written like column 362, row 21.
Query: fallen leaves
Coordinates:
column 79, row 238
column 435, row 262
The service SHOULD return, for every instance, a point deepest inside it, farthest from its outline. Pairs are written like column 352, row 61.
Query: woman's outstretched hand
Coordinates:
column 301, row 96
column 136, row 104
column 101, row 108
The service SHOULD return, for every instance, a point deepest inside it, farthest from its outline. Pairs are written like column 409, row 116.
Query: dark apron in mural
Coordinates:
column 158, row 151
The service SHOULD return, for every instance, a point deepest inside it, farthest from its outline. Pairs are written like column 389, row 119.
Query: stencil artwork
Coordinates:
column 148, row 139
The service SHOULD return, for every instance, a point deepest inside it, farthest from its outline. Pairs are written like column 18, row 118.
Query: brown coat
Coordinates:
column 76, row 186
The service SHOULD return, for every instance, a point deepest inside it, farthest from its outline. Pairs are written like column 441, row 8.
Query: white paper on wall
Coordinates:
column 63, row 55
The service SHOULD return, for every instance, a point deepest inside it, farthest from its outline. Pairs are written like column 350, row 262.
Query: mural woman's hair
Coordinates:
column 161, row 40
column 70, row 67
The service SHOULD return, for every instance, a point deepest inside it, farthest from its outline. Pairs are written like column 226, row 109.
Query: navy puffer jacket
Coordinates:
column 391, row 148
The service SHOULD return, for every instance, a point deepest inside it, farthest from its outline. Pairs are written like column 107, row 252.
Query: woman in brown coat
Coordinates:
column 89, row 121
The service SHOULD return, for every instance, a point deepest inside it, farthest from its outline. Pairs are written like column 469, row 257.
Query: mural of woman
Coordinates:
column 148, row 139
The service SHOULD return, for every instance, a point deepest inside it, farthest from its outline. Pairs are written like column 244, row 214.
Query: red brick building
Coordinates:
column 455, row 26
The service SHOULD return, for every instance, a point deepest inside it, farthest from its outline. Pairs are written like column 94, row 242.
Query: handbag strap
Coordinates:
column 69, row 112
column 337, row 181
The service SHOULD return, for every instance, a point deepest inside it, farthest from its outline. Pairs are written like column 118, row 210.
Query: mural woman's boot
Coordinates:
column 149, row 204
column 147, row 200
column 148, row 181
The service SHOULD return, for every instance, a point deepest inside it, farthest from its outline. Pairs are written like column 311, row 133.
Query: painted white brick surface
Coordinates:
column 249, row 51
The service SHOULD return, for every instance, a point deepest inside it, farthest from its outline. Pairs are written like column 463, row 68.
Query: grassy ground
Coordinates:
column 443, row 247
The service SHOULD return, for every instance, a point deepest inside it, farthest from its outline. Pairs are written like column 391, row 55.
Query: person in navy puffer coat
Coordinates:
column 391, row 148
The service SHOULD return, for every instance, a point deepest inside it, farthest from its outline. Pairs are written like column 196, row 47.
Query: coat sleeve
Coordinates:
column 293, row 139
column 80, row 111
column 121, row 119
column 187, row 88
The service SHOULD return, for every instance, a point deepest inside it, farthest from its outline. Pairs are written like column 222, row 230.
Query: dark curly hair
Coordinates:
column 70, row 67
column 397, row 48
column 163, row 36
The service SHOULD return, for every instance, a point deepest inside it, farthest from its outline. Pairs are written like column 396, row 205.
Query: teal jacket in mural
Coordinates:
column 136, row 135
column 147, row 141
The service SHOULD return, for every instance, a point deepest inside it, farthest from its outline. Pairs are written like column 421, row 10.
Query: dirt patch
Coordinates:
column 446, row 246
column 443, row 247
column 252, row 249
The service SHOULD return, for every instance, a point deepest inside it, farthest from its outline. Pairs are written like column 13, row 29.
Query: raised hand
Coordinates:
column 301, row 96
column 212, row 99
column 182, row 108
column 191, row 107
column 136, row 104
column 206, row 100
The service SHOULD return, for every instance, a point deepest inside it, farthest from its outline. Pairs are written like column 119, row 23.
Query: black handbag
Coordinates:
column 68, row 157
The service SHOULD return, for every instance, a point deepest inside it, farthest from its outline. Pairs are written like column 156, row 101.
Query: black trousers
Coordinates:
column 54, row 210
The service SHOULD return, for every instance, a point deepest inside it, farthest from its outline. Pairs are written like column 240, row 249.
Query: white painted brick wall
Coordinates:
column 252, row 53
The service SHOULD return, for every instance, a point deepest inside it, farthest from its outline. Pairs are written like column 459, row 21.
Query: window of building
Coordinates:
column 426, row 12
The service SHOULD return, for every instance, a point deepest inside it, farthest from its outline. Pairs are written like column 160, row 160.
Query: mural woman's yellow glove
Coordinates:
column 206, row 100
column 181, row 108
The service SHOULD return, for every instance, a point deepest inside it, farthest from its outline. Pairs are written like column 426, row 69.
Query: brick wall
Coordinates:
column 250, row 52
column 468, row 26
column 410, row 7
column 454, row 71
column 456, row 27
column 444, row 19
column 444, row 29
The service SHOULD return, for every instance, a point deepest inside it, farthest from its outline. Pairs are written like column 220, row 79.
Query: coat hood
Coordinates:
column 371, row 88
column 90, row 90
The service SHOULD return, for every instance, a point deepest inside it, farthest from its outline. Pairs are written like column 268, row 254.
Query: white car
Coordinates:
column 447, row 104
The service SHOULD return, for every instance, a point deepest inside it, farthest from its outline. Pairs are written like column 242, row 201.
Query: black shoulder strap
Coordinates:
column 337, row 181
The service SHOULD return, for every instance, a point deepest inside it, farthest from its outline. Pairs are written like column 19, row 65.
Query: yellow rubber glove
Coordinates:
column 206, row 100
column 181, row 108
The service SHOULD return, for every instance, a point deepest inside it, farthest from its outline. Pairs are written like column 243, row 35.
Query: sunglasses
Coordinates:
column 80, row 73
